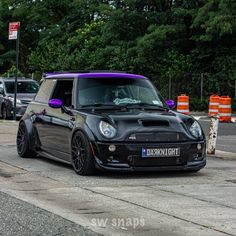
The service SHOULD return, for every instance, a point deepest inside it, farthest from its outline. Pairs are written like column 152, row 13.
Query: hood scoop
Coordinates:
column 154, row 123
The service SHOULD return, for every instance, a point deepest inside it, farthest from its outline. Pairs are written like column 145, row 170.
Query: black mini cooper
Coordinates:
column 109, row 121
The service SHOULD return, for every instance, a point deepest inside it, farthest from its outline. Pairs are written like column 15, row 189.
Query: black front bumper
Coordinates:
column 127, row 157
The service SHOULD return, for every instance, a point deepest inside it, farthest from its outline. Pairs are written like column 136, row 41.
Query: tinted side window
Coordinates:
column 1, row 84
column 45, row 91
column 63, row 91
column 22, row 87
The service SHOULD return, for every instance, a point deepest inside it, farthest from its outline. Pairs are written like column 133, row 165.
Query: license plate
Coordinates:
column 160, row 152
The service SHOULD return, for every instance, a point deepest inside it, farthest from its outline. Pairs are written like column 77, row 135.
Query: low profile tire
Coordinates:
column 4, row 112
column 81, row 157
column 22, row 143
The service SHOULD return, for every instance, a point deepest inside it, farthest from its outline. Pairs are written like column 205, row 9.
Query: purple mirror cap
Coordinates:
column 55, row 103
column 170, row 103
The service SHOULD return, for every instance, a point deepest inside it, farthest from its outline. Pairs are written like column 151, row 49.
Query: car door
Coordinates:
column 54, row 125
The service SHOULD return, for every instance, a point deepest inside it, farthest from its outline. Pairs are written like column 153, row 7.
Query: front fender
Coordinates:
column 86, row 130
column 30, row 130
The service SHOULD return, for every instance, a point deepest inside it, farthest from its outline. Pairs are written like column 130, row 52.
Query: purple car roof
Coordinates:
column 56, row 75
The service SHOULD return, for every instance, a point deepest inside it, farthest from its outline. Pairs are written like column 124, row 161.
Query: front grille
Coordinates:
column 153, row 123
column 157, row 137
column 158, row 161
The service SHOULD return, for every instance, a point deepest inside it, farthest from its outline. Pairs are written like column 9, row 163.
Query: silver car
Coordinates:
column 26, row 91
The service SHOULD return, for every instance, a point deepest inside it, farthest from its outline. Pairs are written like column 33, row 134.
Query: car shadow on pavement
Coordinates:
column 54, row 162
column 127, row 175
column 149, row 174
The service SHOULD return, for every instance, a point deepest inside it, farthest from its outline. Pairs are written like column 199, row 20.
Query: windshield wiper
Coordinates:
column 104, row 106
column 147, row 106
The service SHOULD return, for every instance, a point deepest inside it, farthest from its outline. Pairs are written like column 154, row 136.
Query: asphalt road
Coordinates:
column 43, row 197
column 39, row 196
column 20, row 218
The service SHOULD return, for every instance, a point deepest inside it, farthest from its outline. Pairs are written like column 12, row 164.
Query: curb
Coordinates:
column 8, row 121
column 223, row 155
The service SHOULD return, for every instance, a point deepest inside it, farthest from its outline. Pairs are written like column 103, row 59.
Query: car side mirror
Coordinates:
column 55, row 103
column 1, row 91
column 170, row 103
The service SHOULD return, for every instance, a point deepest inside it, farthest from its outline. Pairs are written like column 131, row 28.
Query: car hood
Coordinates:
column 24, row 96
column 146, row 125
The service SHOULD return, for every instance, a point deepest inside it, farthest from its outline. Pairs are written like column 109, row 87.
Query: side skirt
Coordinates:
column 52, row 157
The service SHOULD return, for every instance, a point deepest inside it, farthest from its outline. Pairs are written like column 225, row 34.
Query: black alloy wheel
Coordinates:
column 22, row 143
column 81, row 157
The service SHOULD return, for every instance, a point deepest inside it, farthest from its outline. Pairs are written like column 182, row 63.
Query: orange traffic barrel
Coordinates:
column 183, row 104
column 214, row 105
column 225, row 109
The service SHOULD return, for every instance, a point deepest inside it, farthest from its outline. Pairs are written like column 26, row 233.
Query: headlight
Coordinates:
column 18, row 101
column 107, row 130
column 195, row 129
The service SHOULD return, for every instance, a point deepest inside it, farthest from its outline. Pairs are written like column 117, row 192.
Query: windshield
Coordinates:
column 22, row 87
column 117, row 91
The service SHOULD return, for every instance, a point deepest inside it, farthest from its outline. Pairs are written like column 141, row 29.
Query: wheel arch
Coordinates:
column 89, row 167
column 29, row 127
column 85, row 130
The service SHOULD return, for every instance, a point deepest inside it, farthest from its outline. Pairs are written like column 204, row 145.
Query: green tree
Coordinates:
column 162, row 39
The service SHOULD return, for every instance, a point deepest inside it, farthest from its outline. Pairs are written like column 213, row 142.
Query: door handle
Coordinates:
column 43, row 112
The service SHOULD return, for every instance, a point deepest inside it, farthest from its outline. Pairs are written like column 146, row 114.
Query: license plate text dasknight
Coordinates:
column 160, row 152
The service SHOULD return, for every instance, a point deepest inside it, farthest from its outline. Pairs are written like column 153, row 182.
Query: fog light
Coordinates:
column 110, row 158
column 199, row 146
column 112, row 148
column 198, row 157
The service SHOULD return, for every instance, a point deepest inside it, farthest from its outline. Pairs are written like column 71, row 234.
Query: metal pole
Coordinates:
column 201, row 86
column 17, row 65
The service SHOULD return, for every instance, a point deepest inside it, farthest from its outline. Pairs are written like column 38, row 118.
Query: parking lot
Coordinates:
column 64, row 203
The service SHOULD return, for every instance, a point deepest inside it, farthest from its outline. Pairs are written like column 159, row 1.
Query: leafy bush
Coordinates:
column 234, row 105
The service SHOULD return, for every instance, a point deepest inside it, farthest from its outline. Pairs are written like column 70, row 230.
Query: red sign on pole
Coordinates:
column 13, row 29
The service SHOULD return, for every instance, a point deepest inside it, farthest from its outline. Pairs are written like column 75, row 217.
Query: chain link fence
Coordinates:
column 196, row 87
column 199, row 88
